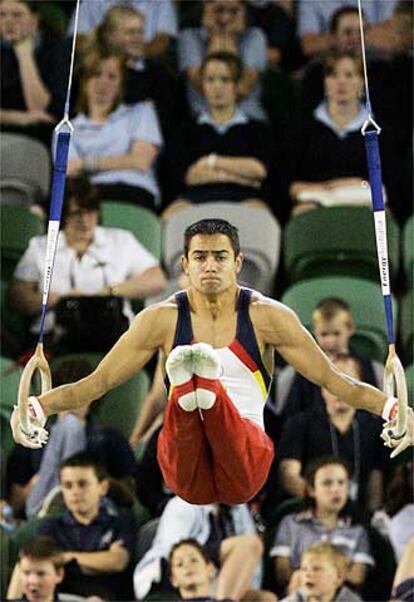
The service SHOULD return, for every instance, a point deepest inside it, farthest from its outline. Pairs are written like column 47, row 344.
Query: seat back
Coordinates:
column 365, row 300
column 406, row 326
column 142, row 222
column 146, row 534
column 119, row 407
column 336, row 241
column 18, row 226
column 24, row 161
column 260, row 239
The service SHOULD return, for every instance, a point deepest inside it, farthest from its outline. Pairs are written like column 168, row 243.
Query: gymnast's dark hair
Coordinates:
column 209, row 227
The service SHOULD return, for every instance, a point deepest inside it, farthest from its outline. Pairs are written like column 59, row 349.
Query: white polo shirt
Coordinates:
column 113, row 256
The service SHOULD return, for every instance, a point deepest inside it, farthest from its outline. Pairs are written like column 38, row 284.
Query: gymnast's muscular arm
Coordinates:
column 132, row 351
column 278, row 326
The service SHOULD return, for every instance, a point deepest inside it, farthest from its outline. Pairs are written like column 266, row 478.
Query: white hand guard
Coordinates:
column 390, row 434
column 35, row 435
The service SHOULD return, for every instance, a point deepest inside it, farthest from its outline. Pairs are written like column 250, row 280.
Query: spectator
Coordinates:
column 228, row 534
column 191, row 571
column 333, row 327
column 223, row 154
column 115, row 144
column 98, row 542
column 323, row 568
column 326, row 519
column 314, row 17
column 90, row 260
column 328, row 154
column 77, row 431
column 224, row 29
column 122, row 30
column 160, row 21
column 41, row 570
column 32, row 71
column 349, row 434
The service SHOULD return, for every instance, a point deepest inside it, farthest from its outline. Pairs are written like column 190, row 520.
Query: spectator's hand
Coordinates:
column 295, row 582
column 34, row 117
column 389, row 434
column 24, row 45
column 75, row 168
column 73, row 292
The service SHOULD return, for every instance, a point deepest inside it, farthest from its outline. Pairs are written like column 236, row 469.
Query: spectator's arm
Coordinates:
column 291, row 479
column 246, row 167
column 315, row 43
column 375, row 490
column 141, row 156
column 15, row 591
column 24, row 118
column 113, row 560
column 158, row 45
column 36, row 94
column 150, row 282
column 27, row 299
column 153, row 406
column 283, row 570
column 247, row 81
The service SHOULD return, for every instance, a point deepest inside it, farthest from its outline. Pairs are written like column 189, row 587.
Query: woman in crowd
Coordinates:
column 33, row 71
column 114, row 144
column 328, row 164
column 223, row 155
column 325, row 518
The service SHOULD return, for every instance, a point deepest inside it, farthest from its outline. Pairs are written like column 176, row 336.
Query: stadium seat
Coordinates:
column 145, row 537
column 365, row 300
column 406, row 326
column 8, row 556
column 25, row 167
column 18, row 226
column 142, row 222
column 408, row 251
column 10, row 374
column 260, row 244
column 336, row 241
column 409, row 375
column 26, row 532
column 120, row 406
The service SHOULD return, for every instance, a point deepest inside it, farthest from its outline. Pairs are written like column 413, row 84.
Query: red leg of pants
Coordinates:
column 222, row 458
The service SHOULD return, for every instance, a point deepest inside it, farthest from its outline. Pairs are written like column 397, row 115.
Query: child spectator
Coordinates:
column 41, row 571
column 325, row 519
column 322, row 572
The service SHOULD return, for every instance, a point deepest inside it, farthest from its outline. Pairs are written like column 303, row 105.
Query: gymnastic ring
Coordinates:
column 38, row 362
column 395, row 385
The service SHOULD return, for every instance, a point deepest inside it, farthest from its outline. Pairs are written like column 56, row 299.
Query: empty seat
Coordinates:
column 142, row 222
column 25, row 167
column 18, row 226
column 337, row 241
column 260, row 239
column 365, row 300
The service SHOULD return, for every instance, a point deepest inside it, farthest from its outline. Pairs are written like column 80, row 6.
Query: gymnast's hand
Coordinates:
column 35, row 435
column 389, row 434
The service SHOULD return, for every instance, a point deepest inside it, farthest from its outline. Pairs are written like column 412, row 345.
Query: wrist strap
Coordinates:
column 390, row 409
column 35, row 408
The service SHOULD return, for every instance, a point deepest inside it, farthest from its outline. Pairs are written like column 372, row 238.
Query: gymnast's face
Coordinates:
column 104, row 86
column 219, row 86
column 211, row 265
column 17, row 21
column 344, row 84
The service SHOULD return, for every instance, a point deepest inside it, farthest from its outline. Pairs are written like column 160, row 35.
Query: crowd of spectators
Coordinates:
column 180, row 103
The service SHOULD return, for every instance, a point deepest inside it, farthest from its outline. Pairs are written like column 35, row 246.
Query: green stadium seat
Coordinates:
column 366, row 302
column 406, row 326
column 409, row 375
column 336, row 241
column 120, row 407
column 8, row 557
column 408, row 250
column 142, row 222
column 10, row 374
column 18, row 226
